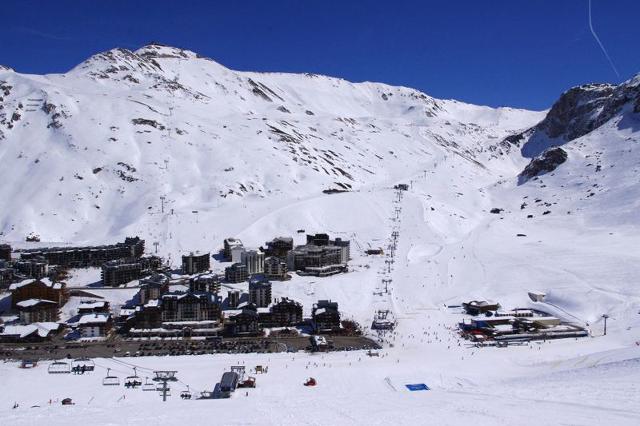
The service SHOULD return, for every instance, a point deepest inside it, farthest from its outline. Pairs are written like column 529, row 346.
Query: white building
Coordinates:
column 254, row 261
column 236, row 253
column 230, row 244
column 94, row 325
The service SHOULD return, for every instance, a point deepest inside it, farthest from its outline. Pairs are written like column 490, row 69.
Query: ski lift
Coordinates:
column 59, row 367
column 110, row 380
column 132, row 382
column 84, row 363
column 148, row 386
column 185, row 394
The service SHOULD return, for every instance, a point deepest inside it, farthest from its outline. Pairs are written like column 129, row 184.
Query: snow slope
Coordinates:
column 251, row 154
column 100, row 144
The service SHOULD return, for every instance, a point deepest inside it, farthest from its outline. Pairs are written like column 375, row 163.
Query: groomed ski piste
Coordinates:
column 450, row 249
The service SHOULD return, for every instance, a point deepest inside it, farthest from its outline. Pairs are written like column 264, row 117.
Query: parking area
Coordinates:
column 131, row 348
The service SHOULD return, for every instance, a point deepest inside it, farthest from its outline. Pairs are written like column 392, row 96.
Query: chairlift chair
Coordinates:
column 148, row 386
column 185, row 394
column 59, row 367
column 134, row 381
column 87, row 363
column 110, row 380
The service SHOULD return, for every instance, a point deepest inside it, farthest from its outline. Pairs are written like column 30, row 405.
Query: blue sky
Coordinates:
column 521, row 53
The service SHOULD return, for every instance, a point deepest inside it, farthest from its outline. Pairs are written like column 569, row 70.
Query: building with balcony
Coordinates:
column 236, row 273
column 260, row 293
column 195, row 263
column 37, row 310
column 275, row 269
column 254, row 261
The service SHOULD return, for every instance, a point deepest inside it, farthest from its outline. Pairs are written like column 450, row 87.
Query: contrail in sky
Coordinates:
column 600, row 43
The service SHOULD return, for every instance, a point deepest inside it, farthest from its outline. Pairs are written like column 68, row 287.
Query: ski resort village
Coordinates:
column 181, row 305
column 185, row 243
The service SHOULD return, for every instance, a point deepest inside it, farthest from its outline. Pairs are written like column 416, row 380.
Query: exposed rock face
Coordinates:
column 585, row 108
column 580, row 110
column 577, row 112
column 547, row 162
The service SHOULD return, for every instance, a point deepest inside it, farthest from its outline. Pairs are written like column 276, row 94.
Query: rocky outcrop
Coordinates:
column 577, row 112
column 580, row 110
column 547, row 162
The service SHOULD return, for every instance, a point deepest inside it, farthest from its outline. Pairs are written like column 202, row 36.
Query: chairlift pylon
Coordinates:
column 110, row 380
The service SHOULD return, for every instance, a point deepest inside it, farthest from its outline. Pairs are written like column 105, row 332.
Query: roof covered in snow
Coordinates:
column 98, row 304
column 34, row 302
column 43, row 329
column 91, row 319
column 45, row 281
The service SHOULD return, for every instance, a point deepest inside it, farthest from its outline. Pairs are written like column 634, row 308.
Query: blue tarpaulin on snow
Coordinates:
column 417, row 387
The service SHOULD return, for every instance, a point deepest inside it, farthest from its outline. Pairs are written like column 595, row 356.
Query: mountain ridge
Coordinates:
column 126, row 127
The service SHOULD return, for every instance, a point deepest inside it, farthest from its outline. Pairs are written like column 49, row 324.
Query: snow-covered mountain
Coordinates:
column 100, row 144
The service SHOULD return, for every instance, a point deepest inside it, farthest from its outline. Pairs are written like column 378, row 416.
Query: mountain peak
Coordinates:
column 114, row 61
column 156, row 50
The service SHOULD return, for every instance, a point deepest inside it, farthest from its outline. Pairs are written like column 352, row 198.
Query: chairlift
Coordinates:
column 110, row 380
column 148, row 386
column 132, row 382
column 87, row 363
column 185, row 394
column 59, row 367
